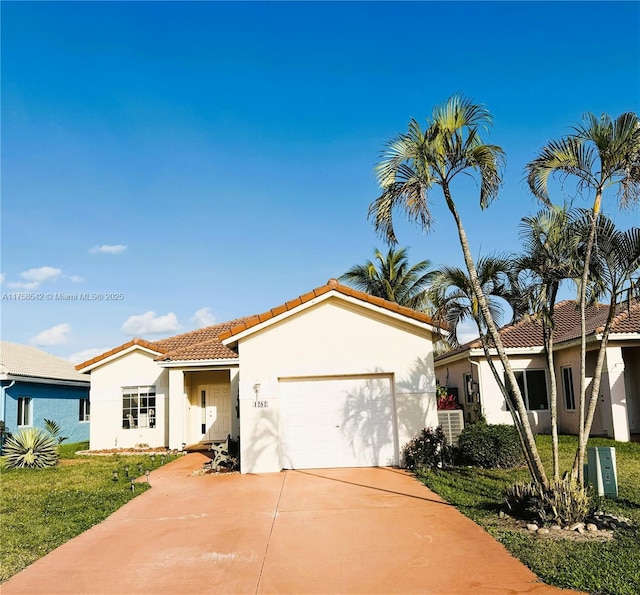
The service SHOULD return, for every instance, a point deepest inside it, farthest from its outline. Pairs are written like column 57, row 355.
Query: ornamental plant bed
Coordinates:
column 124, row 451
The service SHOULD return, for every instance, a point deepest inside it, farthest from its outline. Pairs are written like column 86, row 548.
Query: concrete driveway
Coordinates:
column 320, row 531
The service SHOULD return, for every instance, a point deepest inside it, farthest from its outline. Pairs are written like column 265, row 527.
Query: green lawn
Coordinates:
column 595, row 567
column 41, row 509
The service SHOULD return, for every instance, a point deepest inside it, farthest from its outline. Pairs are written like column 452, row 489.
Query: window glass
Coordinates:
column 138, row 407
column 24, row 411
column 537, row 390
column 567, row 385
column 83, row 410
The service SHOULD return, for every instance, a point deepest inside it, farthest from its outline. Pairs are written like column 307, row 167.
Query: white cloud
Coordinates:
column 22, row 285
column 42, row 274
column 85, row 354
column 203, row 317
column 33, row 278
column 2, row 277
column 55, row 335
column 75, row 279
column 149, row 323
column 108, row 249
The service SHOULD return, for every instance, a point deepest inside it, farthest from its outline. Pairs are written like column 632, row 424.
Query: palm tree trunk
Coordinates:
column 553, row 401
column 507, row 400
column 595, row 385
column 539, row 475
column 547, row 333
column 582, row 438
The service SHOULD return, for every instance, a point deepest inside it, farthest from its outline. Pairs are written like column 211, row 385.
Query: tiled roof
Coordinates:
column 205, row 343
column 23, row 360
column 123, row 347
column 528, row 333
column 185, row 346
column 195, row 345
column 332, row 285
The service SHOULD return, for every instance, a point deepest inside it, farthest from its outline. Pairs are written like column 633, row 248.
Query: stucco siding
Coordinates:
column 134, row 369
column 332, row 338
column 49, row 401
column 492, row 401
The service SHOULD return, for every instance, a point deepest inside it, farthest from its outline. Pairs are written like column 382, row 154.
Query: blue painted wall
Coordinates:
column 50, row 401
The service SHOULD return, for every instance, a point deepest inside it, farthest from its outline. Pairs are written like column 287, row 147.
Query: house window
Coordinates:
column 138, row 407
column 533, row 386
column 24, row 411
column 83, row 410
column 567, row 386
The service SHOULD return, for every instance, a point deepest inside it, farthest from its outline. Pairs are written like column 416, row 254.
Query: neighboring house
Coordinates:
column 333, row 378
column 38, row 386
column 618, row 412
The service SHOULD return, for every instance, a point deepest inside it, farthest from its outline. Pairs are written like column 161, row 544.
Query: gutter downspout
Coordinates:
column 3, row 408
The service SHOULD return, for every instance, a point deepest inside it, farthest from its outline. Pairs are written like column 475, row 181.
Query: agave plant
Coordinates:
column 31, row 447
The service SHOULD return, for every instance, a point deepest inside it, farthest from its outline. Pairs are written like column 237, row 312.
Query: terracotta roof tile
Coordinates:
column 123, row 347
column 332, row 285
column 206, row 350
column 205, row 343
column 528, row 333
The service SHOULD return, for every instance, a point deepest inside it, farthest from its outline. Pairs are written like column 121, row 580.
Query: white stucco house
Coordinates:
column 465, row 371
column 333, row 378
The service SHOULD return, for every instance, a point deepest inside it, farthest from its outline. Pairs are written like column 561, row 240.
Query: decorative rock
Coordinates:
column 532, row 527
column 577, row 527
column 501, row 514
column 556, row 528
column 591, row 527
column 542, row 531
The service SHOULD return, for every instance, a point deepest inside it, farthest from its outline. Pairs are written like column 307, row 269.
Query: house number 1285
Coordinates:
column 261, row 404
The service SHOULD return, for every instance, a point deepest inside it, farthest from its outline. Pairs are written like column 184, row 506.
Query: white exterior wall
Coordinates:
column 136, row 368
column 331, row 338
column 493, row 405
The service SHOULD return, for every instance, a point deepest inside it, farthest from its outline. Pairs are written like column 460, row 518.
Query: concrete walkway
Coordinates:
column 320, row 531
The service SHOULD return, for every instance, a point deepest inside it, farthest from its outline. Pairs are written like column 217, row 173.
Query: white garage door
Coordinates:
column 337, row 422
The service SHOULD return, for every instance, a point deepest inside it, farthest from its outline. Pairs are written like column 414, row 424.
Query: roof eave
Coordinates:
column 200, row 363
column 86, row 367
column 331, row 294
column 45, row 380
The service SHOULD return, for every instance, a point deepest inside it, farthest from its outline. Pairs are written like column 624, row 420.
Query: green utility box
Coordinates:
column 601, row 470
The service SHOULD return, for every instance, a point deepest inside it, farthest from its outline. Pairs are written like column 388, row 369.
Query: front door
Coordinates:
column 215, row 411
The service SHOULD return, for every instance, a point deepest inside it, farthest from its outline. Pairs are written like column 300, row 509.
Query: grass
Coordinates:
column 40, row 509
column 599, row 568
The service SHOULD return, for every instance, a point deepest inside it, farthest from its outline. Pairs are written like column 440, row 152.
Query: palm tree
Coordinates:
column 455, row 301
column 600, row 153
column 615, row 261
column 451, row 294
column 417, row 160
column 392, row 278
column 550, row 244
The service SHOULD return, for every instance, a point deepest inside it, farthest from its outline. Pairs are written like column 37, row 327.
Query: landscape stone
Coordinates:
column 532, row 527
column 543, row 531
column 591, row 527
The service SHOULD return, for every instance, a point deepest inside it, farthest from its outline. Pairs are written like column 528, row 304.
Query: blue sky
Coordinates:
column 203, row 161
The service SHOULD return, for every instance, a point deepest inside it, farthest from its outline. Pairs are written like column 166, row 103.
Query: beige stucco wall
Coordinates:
column 331, row 338
column 193, row 380
column 492, row 402
column 136, row 368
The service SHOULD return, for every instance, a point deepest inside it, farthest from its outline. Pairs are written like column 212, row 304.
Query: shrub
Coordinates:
column 54, row 430
column 562, row 502
column 427, row 449
column 31, row 447
column 490, row 446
